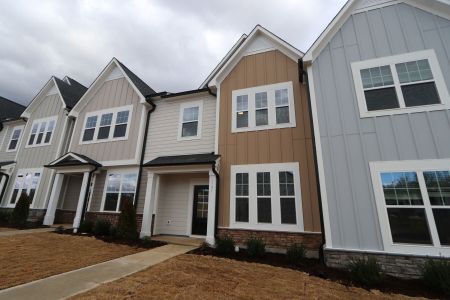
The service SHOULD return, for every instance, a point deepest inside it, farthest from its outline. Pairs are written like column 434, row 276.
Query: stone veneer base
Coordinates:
column 398, row 265
column 277, row 241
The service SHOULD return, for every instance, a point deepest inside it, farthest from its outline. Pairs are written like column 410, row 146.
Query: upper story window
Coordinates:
column 266, row 197
column 120, row 187
column 413, row 201
column 27, row 181
column 190, row 123
column 106, row 125
column 263, row 107
column 41, row 133
column 405, row 83
column 15, row 138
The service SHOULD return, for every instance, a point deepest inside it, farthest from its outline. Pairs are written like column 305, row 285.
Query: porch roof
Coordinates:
column 191, row 159
column 6, row 163
column 73, row 159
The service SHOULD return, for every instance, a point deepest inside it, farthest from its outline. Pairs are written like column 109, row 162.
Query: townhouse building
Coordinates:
column 379, row 77
column 11, row 132
column 44, row 138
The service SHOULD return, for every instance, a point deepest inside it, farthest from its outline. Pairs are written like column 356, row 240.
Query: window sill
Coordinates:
column 266, row 127
column 190, row 138
column 14, row 150
column 428, row 250
column 400, row 111
column 104, row 141
column 36, row 146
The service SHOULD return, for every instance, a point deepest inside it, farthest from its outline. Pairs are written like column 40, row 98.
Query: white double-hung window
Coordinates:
column 27, row 181
column 106, row 125
column 405, row 83
column 413, row 202
column 120, row 187
column 41, row 133
column 15, row 138
column 263, row 107
column 190, row 122
column 266, row 197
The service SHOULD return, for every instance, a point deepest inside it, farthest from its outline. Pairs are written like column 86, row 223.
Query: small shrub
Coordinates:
column 146, row 241
column 126, row 227
column 225, row 245
column 436, row 275
column 60, row 229
column 296, row 253
column 366, row 271
column 113, row 231
column 4, row 217
column 21, row 211
column 86, row 226
column 256, row 247
column 101, row 227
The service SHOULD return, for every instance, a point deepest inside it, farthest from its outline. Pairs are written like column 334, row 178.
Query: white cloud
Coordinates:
column 172, row 45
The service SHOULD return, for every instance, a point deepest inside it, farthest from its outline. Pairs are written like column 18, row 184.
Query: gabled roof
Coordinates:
column 191, row 159
column 71, row 159
column 10, row 110
column 238, row 51
column 139, row 86
column 437, row 7
column 70, row 94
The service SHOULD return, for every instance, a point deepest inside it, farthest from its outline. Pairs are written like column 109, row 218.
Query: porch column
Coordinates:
column 53, row 202
column 77, row 219
column 211, row 208
column 148, row 205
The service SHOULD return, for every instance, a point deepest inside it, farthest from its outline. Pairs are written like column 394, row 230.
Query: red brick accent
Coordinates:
column 275, row 239
column 113, row 218
column 64, row 216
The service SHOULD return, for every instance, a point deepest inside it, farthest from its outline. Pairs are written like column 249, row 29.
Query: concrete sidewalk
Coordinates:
column 77, row 281
column 25, row 231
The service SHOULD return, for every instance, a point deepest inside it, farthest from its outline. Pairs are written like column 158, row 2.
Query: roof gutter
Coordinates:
column 303, row 77
column 2, row 193
column 144, row 146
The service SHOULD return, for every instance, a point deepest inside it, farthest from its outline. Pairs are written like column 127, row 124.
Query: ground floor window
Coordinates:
column 120, row 187
column 413, row 200
column 27, row 181
column 266, row 197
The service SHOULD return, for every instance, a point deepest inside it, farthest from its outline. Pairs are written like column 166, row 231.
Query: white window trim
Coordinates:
column 270, row 89
column 392, row 60
column 121, row 171
column 47, row 120
column 252, row 223
column 99, row 114
column 23, row 172
column 198, row 104
column 376, row 168
column 21, row 127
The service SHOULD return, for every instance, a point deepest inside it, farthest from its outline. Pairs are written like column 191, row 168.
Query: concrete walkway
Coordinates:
column 24, row 231
column 81, row 280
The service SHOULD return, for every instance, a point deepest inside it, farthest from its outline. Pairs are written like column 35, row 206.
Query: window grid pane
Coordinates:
column 413, row 71
column 377, row 77
column 106, row 119
column 122, row 117
column 91, row 122
column 401, row 188
column 190, row 114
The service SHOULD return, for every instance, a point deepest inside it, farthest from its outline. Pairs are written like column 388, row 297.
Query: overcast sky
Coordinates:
column 171, row 45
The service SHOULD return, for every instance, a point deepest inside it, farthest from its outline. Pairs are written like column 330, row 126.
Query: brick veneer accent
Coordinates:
column 274, row 239
column 113, row 218
column 35, row 215
column 64, row 216
column 398, row 265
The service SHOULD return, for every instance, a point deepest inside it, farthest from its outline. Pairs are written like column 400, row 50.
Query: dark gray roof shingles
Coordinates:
column 10, row 109
column 71, row 93
column 140, row 85
column 191, row 159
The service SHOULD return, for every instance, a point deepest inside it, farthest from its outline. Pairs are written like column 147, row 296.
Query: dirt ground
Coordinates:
column 205, row 277
column 28, row 257
column 3, row 229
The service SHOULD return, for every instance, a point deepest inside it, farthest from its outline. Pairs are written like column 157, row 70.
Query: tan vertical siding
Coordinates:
column 113, row 93
column 268, row 146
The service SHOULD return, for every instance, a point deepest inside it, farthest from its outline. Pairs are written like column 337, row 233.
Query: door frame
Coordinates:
column 190, row 206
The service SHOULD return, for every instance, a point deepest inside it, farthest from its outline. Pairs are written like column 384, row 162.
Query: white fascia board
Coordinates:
column 280, row 44
column 98, row 83
column 42, row 93
column 438, row 7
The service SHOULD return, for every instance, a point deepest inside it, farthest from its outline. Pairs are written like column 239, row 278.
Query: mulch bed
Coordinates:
column 393, row 285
